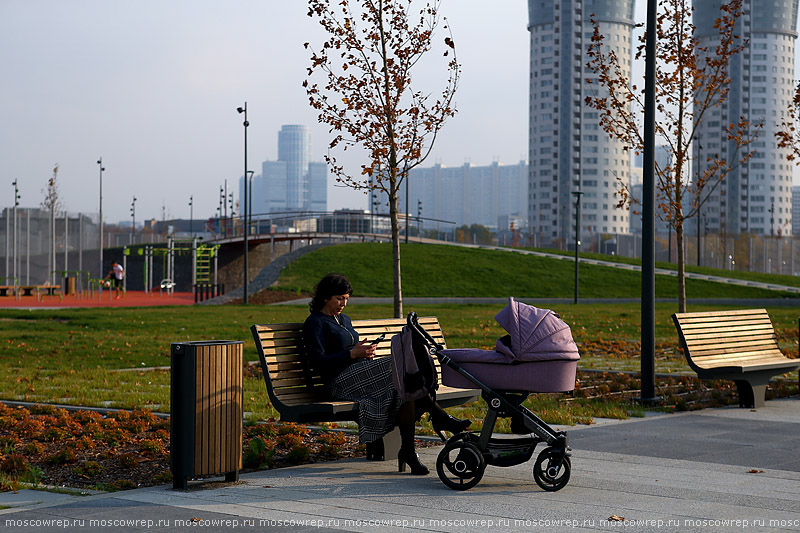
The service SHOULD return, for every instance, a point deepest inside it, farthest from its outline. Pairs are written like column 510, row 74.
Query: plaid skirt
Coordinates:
column 369, row 382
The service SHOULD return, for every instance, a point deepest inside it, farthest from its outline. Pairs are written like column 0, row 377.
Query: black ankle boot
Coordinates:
column 445, row 422
column 375, row 450
column 410, row 458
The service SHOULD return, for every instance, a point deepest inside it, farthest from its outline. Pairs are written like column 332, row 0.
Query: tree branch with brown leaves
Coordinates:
column 691, row 80
column 367, row 97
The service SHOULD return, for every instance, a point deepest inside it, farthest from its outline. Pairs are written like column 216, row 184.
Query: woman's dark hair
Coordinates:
column 330, row 285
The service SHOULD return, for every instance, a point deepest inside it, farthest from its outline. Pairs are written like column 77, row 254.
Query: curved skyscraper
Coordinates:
column 568, row 150
column 294, row 148
column 293, row 182
column 755, row 197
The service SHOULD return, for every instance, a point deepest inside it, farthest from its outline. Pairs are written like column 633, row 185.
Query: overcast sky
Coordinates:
column 152, row 87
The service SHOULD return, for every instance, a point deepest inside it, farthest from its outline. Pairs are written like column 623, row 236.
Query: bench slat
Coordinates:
column 731, row 347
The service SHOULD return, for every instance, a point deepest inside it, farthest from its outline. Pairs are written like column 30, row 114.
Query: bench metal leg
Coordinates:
column 751, row 395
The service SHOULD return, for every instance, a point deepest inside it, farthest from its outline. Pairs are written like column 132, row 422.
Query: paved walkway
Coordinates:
column 715, row 470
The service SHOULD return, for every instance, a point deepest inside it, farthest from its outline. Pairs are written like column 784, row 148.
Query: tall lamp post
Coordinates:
column 577, row 195
column 16, row 254
column 100, row 163
column 648, row 297
column 244, row 202
column 133, row 219
column 191, row 215
column 249, row 179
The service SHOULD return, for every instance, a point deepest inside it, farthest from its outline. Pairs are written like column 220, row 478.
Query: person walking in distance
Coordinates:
column 116, row 275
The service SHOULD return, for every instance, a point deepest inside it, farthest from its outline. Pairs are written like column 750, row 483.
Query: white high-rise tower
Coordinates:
column 755, row 197
column 568, row 151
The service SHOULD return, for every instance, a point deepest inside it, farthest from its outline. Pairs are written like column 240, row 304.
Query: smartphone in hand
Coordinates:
column 379, row 339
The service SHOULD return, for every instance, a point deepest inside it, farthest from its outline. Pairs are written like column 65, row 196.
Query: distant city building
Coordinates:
column 795, row 210
column 293, row 182
column 467, row 194
column 663, row 158
column 568, row 150
column 756, row 197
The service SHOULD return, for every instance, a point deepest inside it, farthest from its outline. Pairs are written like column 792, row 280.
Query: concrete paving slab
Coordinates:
column 713, row 470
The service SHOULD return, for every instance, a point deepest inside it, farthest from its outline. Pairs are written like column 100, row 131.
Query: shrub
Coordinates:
column 14, row 464
column 126, row 460
column 7, row 443
column 85, row 417
column 292, row 429
column 53, row 434
column 258, row 453
column 298, row 454
column 151, row 445
column 89, row 469
column 64, row 456
column 331, row 443
column 34, row 448
column 263, row 430
column 124, row 484
column 290, row 440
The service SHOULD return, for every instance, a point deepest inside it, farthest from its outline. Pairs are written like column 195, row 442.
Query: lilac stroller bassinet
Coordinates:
column 542, row 356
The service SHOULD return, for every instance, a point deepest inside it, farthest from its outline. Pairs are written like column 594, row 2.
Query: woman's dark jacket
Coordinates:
column 328, row 343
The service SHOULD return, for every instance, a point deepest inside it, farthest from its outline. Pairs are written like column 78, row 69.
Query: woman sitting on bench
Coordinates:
column 351, row 372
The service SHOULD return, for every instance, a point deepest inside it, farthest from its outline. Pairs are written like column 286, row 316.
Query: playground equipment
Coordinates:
column 204, row 265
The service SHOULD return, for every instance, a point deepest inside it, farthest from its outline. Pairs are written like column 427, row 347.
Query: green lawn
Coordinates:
column 102, row 357
column 777, row 279
column 106, row 357
column 450, row 271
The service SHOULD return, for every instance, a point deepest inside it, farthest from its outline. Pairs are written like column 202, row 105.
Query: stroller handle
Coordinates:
column 413, row 322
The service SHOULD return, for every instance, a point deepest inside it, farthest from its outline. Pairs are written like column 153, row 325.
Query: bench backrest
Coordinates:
column 290, row 380
column 717, row 338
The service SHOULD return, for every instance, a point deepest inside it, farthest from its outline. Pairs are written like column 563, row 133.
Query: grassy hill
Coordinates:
column 448, row 271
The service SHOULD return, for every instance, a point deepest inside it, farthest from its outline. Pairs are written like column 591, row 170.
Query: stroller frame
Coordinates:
column 463, row 460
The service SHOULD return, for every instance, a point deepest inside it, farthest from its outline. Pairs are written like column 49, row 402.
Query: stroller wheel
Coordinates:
column 460, row 465
column 552, row 469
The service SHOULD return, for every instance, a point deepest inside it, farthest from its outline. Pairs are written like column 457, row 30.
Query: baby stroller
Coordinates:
column 538, row 355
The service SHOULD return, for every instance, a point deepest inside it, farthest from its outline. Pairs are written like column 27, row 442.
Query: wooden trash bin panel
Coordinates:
column 206, row 408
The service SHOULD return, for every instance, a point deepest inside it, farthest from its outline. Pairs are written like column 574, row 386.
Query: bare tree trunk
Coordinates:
column 681, row 266
column 393, row 215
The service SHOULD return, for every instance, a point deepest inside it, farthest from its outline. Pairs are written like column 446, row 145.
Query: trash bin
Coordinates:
column 69, row 285
column 206, row 410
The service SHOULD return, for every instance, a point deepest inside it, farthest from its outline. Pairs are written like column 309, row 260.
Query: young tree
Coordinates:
column 52, row 203
column 692, row 79
column 367, row 98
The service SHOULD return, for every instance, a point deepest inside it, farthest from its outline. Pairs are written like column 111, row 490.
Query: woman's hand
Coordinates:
column 362, row 350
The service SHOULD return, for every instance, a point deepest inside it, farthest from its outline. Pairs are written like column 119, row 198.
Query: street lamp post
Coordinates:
column 577, row 195
column 133, row 218
column 648, row 297
column 100, row 163
column 244, row 200
column 191, row 215
column 249, row 180
column 221, row 211
column 16, row 204
column 419, row 219
column 16, row 253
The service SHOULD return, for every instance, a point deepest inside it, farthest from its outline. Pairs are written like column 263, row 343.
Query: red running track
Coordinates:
column 131, row 299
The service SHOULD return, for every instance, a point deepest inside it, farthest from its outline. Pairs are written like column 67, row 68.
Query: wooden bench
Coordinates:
column 734, row 345
column 298, row 393
column 8, row 290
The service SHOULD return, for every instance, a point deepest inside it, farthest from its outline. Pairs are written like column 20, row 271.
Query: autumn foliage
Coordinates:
column 368, row 98
column 692, row 80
